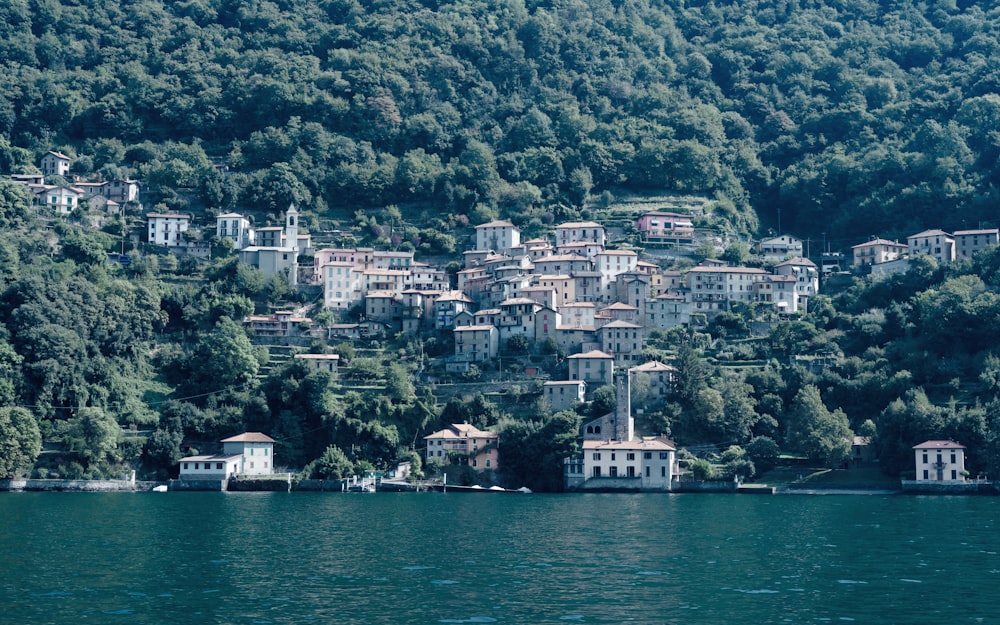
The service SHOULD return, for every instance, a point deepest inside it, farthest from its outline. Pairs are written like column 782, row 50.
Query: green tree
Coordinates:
column 333, row 464
column 817, row 432
column 95, row 435
column 20, row 441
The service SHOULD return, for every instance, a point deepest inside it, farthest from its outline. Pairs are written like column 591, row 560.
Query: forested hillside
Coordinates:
column 850, row 118
column 830, row 119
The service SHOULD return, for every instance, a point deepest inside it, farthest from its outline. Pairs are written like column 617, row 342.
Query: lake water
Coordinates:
column 145, row 558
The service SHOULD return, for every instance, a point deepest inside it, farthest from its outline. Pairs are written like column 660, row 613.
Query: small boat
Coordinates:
column 162, row 488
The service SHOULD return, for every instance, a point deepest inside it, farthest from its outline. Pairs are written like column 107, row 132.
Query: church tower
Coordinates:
column 624, row 425
column 292, row 228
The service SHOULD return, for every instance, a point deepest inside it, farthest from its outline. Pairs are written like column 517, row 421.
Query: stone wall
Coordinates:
column 705, row 486
column 190, row 485
column 102, row 486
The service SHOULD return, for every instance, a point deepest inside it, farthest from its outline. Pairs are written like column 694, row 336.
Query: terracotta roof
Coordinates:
column 654, row 365
column 797, row 261
column 496, row 224
column 473, row 328
column 249, row 437
column 462, row 430
column 929, row 233
column 579, row 224
column 974, row 232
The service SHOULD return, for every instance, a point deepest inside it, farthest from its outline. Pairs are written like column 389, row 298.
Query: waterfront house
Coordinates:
column 250, row 453
column 940, row 461
column 461, row 443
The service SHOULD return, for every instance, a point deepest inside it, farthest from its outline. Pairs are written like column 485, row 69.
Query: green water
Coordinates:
column 459, row 558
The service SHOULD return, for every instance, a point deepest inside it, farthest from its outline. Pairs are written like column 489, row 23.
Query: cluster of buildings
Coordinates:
column 886, row 257
column 63, row 199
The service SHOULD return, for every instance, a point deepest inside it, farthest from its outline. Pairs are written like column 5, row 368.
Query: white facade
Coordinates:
column 940, row 461
column 256, row 449
column 498, row 236
column 250, row 453
column 781, row 247
column 648, row 462
column 61, row 200
column 321, row 362
column 235, row 227
column 578, row 231
column 166, row 229
column 55, row 164
column 341, row 285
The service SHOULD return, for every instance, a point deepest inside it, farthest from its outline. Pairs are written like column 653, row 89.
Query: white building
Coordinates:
column 166, row 229
column 321, row 362
column 940, row 461
column 55, row 164
column 250, row 453
column 499, row 236
column 577, row 231
column 235, row 227
column 781, row 247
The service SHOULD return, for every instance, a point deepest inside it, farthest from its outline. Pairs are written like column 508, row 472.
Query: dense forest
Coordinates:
column 822, row 118
column 849, row 118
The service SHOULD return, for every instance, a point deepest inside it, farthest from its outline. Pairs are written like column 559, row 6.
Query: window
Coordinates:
column 954, row 474
column 663, row 455
column 251, row 465
column 631, row 456
column 185, row 466
column 597, row 471
column 647, row 471
column 196, row 466
column 487, row 464
column 925, row 474
column 925, row 457
column 597, row 457
column 663, row 471
column 647, row 455
column 953, row 458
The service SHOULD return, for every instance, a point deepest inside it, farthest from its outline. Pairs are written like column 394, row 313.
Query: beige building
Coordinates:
column 936, row 243
column 461, row 443
column 876, row 252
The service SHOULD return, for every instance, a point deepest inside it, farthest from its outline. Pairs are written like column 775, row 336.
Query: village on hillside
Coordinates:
column 590, row 292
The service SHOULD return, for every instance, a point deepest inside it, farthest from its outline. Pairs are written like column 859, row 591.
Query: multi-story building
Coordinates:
column 877, row 251
column 499, row 236
column 936, row 243
column 940, row 461
column 576, row 231
column 716, row 288
column 476, row 343
column 166, row 229
column 595, row 367
column 664, row 227
column 564, row 394
column 969, row 242
column 55, row 164
column 780, row 248
column 461, row 443
column 235, row 227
